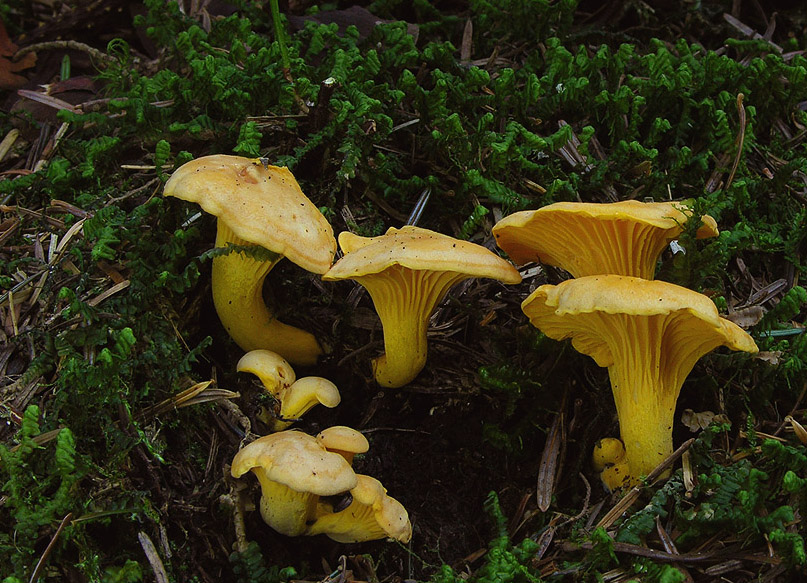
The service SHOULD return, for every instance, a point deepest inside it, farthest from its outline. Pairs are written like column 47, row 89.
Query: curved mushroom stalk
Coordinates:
column 237, row 282
column 405, row 320
column 621, row 238
column 649, row 334
column 262, row 205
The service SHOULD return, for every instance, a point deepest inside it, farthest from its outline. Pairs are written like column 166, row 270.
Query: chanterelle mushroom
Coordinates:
column 257, row 205
column 649, row 334
column 371, row 515
column 294, row 470
column 608, row 458
column 621, row 238
column 345, row 441
column 407, row 272
column 295, row 396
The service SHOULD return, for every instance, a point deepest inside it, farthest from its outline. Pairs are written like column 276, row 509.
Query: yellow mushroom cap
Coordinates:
column 594, row 312
column 304, row 394
column 274, row 372
column 294, row 471
column 262, row 204
column 616, row 476
column 407, row 272
column 417, row 249
column 371, row 515
column 343, row 440
column 649, row 334
column 622, row 238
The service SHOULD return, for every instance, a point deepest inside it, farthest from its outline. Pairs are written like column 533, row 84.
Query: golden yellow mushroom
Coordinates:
column 649, row 334
column 257, row 205
column 608, row 458
column 621, row 238
column 301, row 396
column 294, row 470
column 294, row 396
column 371, row 515
column 407, row 272
column 607, row 452
column 345, row 441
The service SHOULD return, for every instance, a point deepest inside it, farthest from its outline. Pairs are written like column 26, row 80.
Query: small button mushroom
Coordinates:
column 296, row 396
column 345, row 441
column 301, row 396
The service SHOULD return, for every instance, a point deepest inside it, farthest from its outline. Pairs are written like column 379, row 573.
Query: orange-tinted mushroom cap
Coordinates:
column 649, row 334
column 407, row 272
column 621, row 238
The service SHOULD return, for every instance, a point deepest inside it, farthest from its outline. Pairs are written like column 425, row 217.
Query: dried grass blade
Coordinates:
column 48, row 100
column 549, row 463
column 110, row 292
column 160, row 574
column 210, row 395
column 173, row 402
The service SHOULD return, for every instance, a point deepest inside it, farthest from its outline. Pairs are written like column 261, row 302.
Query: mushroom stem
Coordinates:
column 646, row 380
column 285, row 509
column 237, row 283
column 647, row 435
column 406, row 323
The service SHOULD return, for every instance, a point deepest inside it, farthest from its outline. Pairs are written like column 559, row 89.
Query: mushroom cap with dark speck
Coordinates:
column 262, row 204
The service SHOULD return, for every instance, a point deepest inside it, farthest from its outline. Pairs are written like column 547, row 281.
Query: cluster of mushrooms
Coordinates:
column 648, row 333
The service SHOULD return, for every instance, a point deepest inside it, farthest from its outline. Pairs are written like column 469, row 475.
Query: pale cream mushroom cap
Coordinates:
column 298, row 461
column 294, row 471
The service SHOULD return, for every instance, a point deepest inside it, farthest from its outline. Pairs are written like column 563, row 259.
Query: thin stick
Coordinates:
column 633, row 494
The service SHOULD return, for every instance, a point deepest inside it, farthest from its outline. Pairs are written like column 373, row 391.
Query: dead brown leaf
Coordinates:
column 8, row 68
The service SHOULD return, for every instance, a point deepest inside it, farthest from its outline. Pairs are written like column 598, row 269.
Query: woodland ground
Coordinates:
column 496, row 106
